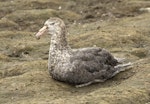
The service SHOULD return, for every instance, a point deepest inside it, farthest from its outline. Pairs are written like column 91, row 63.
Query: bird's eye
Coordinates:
column 52, row 23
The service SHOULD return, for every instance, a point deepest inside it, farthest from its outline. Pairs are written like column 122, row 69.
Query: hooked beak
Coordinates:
column 41, row 32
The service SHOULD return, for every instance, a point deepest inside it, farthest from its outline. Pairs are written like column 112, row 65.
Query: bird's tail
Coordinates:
column 122, row 67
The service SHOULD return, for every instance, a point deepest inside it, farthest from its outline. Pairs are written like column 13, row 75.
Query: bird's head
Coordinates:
column 53, row 26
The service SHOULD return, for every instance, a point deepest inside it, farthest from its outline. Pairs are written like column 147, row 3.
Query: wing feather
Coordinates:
column 93, row 59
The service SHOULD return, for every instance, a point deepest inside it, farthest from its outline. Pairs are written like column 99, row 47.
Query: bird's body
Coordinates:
column 80, row 67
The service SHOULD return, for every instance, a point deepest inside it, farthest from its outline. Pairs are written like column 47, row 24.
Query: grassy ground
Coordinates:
column 116, row 25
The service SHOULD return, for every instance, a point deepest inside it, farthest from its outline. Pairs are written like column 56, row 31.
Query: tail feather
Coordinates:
column 120, row 60
column 122, row 67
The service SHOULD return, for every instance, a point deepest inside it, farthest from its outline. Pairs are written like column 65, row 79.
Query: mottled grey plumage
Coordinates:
column 80, row 67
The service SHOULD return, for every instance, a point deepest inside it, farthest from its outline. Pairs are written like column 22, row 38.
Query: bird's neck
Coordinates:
column 59, row 49
column 59, row 42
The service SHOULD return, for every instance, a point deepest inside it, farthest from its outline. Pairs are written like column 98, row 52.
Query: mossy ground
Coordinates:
column 116, row 25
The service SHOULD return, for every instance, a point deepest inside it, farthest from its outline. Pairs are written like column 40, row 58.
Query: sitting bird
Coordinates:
column 80, row 67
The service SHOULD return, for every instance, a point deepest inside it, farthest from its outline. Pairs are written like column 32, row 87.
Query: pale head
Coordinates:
column 53, row 25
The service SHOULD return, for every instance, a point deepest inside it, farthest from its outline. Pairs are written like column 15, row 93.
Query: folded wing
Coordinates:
column 93, row 59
